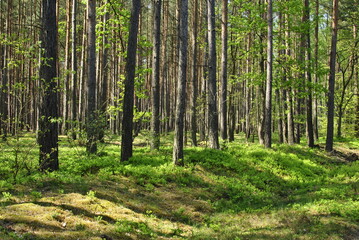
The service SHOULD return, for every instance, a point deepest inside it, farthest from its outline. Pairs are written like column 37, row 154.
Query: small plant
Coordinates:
column 150, row 214
column 91, row 194
column 36, row 195
column 125, row 226
column 98, row 218
column 6, row 196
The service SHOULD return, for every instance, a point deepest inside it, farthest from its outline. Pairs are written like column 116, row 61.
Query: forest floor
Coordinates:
column 241, row 192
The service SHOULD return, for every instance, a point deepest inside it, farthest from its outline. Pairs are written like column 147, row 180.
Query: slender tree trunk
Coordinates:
column 128, row 101
column 268, row 97
column 74, row 69
column 105, row 80
column 81, row 105
column 181, row 84
column 290, row 118
column 66, row 72
column 279, row 115
column 316, row 78
column 223, row 76
column 155, row 100
column 91, row 127
column 212, row 82
column 247, row 92
column 48, row 125
column 309, row 102
column 356, row 76
column 331, row 82
column 194, row 95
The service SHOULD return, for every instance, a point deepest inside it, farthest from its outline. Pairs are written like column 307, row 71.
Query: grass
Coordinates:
column 242, row 192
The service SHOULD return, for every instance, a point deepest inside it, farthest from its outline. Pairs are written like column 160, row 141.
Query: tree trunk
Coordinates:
column 66, row 72
column 212, row 83
column 104, row 81
column 290, row 118
column 316, row 78
column 194, row 95
column 268, row 96
column 181, row 84
column 91, row 128
column 223, row 76
column 309, row 107
column 331, row 82
column 155, row 100
column 356, row 76
column 128, row 101
column 74, row 69
column 48, row 125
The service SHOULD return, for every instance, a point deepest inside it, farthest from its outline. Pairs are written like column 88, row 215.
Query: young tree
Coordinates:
column 91, row 128
column 127, row 120
column 331, row 82
column 212, row 82
column 181, row 84
column 268, row 95
column 48, row 125
column 155, row 93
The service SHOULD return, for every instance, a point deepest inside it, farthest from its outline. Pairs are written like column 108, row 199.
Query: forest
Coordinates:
column 177, row 119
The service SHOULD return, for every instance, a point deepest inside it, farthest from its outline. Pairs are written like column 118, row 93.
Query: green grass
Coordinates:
column 242, row 192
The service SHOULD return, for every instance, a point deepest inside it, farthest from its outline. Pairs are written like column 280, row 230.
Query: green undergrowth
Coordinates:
column 242, row 192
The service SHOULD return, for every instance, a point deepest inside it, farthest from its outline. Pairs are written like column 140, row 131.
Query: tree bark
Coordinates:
column 316, row 76
column 91, row 128
column 155, row 100
column 331, row 82
column 48, row 124
column 194, row 95
column 268, row 96
column 74, row 69
column 223, row 76
column 309, row 102
column 104, row 81
column 181, row 84
column 128, row 101
column 212, row 82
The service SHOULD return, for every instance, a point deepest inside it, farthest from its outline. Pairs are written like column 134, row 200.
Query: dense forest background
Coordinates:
column 177, row 119
column 208, row 69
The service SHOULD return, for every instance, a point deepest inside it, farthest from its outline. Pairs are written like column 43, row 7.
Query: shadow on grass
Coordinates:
column 77, row 211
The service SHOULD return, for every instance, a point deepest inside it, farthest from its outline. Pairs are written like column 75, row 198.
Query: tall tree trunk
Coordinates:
column 82, row 93
column 128, row 101
column 356, row 76
column 309, row 104
column 155, row 100
column 331, row 82
column 290, row 118
column 91, row 127
column 74, row 69
column 194, row 95
column 212, row 82
column 181, row 84
column 48, row 126
column 223, row 76
column 5, row 121
column 105, row 81
column 268, row 96
column 66, row 72
column 316, row 64
column 247, row 92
